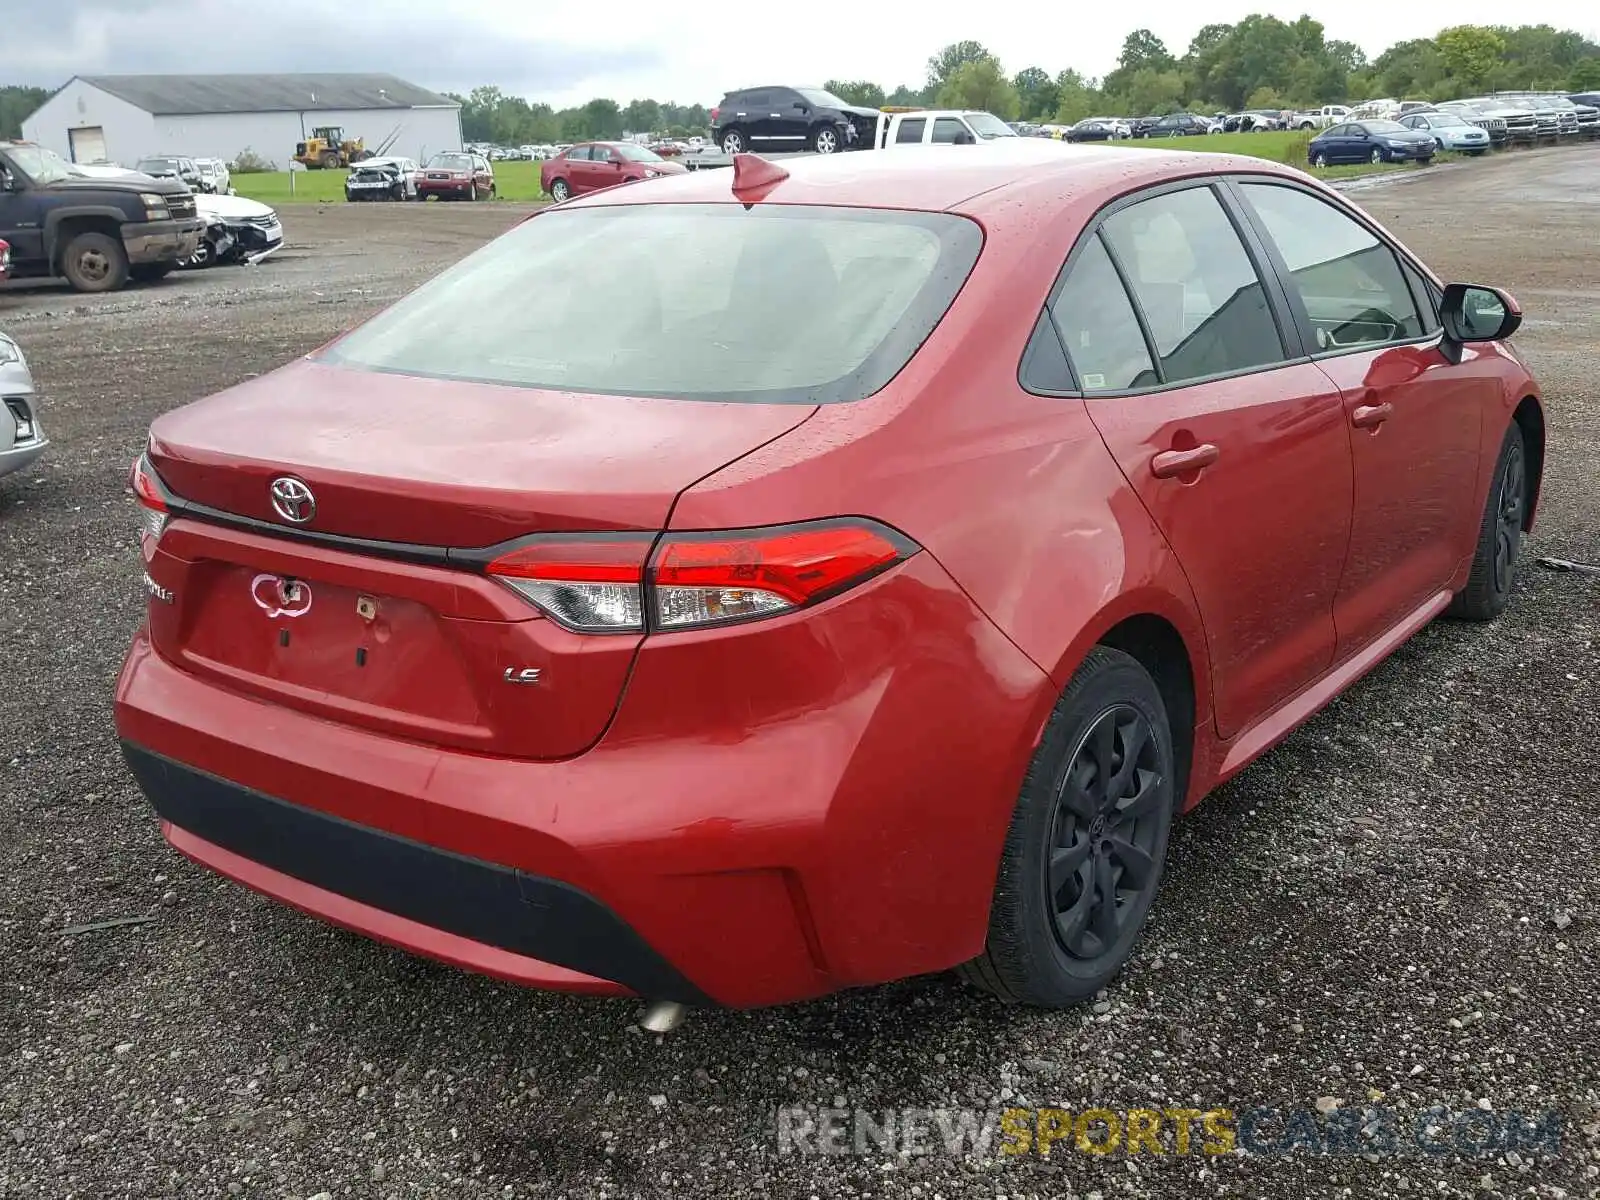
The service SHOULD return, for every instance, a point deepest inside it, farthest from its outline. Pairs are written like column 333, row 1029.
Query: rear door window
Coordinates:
column 1195, row 284
column 1098, row 326
column 911, row 131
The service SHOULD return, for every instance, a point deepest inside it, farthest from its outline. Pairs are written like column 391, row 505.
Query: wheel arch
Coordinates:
column 64, row 224
column 1529, row 416
column 1163, row 632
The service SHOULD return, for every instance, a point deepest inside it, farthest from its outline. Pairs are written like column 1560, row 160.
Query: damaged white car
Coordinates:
column 237, row 231
column 21, row 439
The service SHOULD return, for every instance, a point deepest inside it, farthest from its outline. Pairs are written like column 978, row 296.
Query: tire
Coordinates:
column 330, row 161
column 398, row 192
column 204, row 256
column 1494, row 560
column 1028, row 956
column 1321, row 160
column 1377, row 156
column 560, row 191
column 825, row 140
column 95, row 262
column 733, row 141
column 150, row 272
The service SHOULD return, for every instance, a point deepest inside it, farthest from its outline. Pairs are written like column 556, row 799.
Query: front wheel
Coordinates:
column 95, row 262
column 560, row 191
column 1083, row 856
column 825, row 140
column 1494, row 560
column 1377, row 157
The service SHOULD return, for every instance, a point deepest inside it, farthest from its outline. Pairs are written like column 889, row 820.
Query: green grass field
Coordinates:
column 520, row 180
column 512, row 181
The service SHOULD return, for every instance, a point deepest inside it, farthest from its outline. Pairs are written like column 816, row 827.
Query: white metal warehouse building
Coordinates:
column 122, row 118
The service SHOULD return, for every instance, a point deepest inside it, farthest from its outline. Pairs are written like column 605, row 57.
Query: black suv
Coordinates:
column 789, row 118
column 97, row 232
column 1172, row 125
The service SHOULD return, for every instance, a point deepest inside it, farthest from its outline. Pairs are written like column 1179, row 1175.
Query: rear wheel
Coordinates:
column 1321, row 160
column 95, row 262
column 330, row 161
column 733, row 141
column 1494, row 561
column 560, row 190
column 1083, row 857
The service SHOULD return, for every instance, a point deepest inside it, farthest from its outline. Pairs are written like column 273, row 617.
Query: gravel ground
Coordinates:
column 1398, row 907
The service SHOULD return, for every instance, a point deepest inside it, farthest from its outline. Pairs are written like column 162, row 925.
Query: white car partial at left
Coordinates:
column 21, row 439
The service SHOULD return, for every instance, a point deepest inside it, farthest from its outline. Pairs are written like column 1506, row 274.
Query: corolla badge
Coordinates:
column 279, row 597
column 293, row 500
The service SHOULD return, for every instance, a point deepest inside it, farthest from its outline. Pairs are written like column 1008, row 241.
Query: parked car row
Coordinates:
column 449, row 175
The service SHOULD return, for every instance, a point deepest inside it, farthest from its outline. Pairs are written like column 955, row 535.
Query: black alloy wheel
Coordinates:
column 1100, row 857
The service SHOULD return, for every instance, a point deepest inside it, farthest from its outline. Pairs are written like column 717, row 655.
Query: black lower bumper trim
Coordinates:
column 486, row 902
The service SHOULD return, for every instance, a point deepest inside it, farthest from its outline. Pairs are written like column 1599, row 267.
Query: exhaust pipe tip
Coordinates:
column 663, row 1016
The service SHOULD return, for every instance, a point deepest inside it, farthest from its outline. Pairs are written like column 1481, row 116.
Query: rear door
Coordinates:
column 1415, row 419
column 1240, row 454
column 580, row 174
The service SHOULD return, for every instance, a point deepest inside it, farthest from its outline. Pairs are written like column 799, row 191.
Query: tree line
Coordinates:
column 1261, row 62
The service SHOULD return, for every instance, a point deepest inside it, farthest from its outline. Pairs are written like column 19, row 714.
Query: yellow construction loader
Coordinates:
column 328, row 148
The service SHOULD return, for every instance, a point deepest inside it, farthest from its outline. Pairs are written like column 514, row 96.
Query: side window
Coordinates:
column 1349, row 281
column 577, row 154
column 1193, row 280
column 754, row 100
column 1098, row 327
column 911, row 130
column 947, row 129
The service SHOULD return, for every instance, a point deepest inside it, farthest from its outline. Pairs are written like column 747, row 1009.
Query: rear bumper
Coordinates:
column 774, row 814
column 479, row 914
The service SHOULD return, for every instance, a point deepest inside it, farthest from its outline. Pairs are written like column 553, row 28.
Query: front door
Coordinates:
column 1241, row 456
column 1415, row 419
column 21, row 217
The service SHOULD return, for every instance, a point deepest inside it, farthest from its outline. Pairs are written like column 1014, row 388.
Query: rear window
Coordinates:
column 784, row 304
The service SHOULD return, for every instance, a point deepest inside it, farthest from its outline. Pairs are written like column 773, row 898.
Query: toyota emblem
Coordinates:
column 292, row 500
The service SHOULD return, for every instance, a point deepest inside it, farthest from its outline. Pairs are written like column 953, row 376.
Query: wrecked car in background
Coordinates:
column 382, row 179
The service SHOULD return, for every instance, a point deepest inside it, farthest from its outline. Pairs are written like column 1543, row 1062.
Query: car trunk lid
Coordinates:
column 403, row 469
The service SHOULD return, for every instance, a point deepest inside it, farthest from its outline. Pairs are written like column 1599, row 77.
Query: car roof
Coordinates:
column 942, row 178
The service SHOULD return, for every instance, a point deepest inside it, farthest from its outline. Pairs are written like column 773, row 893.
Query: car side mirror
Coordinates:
column 1471, row 312
column 965, row 139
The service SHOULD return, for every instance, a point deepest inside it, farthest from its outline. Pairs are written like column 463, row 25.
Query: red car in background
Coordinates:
column 456, row 175
column 838, row 575
column 595, row 165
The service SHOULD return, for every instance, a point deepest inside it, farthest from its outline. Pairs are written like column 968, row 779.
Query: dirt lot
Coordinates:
column 1401, row 905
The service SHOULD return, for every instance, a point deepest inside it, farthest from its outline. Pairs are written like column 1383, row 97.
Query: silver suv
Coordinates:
column 21, row 439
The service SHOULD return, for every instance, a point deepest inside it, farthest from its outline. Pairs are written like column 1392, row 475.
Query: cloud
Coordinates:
column 50, row 41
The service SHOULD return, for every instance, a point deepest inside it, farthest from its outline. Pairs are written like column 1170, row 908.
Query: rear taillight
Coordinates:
column 615, row 584
column 152, row 498
column 714, row 113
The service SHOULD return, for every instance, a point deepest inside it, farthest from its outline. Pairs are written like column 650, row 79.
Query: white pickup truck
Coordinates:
column 1325, row 117
column 941, row 126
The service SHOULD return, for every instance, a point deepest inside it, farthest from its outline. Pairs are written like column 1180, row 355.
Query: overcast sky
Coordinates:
column 566, row 51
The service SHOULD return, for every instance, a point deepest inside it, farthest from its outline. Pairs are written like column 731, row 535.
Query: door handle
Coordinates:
column 1181, row 462
column 1370, row 416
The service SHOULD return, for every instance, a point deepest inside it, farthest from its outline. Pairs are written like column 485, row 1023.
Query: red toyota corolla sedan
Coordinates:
column 842, row 573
